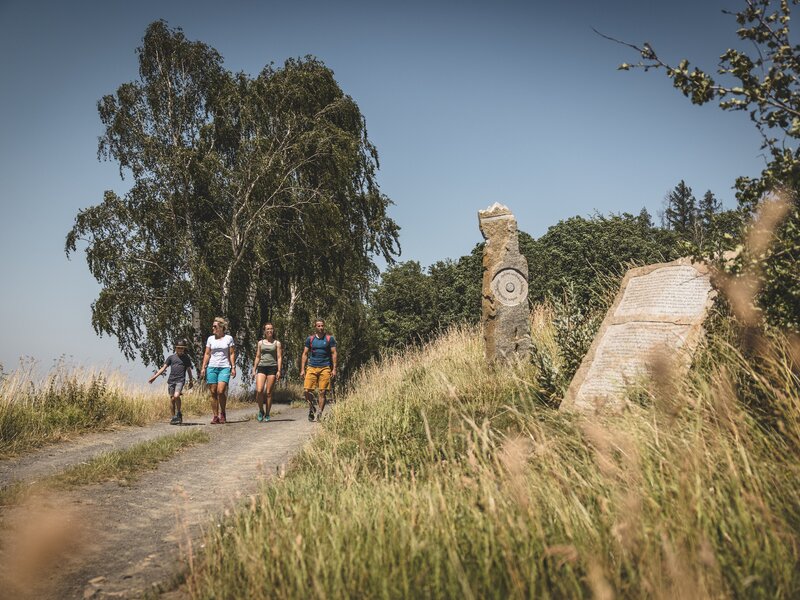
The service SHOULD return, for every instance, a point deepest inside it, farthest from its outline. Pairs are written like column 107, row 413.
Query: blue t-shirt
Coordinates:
column 319, row 352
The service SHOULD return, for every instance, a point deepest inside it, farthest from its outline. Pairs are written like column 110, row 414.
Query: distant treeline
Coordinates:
column 579, row 260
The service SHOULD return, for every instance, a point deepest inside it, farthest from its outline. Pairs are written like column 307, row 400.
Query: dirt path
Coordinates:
column 111, row 541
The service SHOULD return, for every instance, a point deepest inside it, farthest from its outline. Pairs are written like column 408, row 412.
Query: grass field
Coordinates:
column 440, row 477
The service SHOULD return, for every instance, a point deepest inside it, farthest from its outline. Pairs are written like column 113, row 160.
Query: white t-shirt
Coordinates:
column 220, row 356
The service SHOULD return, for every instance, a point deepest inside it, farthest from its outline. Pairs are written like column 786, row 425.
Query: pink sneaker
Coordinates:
column 215, row 420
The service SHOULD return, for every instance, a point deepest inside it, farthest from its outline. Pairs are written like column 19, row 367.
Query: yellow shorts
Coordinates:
column 318, row 377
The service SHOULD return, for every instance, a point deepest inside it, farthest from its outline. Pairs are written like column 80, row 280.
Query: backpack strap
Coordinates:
column 310, row 342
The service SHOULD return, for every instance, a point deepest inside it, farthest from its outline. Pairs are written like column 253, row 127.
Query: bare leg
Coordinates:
column 222, row 395
column 261, row 380
column 214, row 399
column 310, row 399
column 270, row 387
column 322, row 398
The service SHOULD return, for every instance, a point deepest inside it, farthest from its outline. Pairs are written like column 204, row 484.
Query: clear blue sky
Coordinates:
column 468, row 103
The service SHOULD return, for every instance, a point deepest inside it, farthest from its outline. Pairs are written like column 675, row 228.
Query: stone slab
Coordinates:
column 658, row 312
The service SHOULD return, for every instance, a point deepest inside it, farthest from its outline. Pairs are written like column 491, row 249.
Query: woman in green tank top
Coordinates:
column 267, row 370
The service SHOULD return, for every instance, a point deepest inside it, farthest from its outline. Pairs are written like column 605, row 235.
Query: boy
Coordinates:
column 179, row 364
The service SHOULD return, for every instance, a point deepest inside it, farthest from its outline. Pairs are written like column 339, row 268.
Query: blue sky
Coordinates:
column 468, row 103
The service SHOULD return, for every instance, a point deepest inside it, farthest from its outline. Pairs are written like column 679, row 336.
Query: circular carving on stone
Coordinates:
column 509, row 287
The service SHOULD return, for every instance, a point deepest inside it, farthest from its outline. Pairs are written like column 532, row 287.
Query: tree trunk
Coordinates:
column 294, row 294
column 249, row 307
column 226, row 292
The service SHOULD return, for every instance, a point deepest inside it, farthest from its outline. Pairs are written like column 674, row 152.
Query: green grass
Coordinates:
column 440, row 477
column 124, row 466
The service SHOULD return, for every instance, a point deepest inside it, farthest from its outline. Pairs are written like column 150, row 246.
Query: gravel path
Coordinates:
column 111, row 541
column 55, row 457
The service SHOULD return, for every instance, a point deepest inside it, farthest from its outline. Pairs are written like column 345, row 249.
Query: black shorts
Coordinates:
column 267, row 370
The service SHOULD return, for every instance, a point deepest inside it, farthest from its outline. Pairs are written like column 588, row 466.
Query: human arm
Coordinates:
column 232, row 356
column 333, row 360
column 157, row 373
column 280, row 360
column 206, row 358
column 257, row 359
column 303, row 361
column 189, row 370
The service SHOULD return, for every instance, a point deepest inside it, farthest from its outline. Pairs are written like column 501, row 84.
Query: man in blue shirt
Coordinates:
column 320, row 354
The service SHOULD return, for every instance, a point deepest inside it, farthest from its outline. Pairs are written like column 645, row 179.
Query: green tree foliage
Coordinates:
column 403, row 305
column 708, row 208
column 680, row 214
column 574, row 262
column 703, row 225
column 717, row 230
column 578, row 254
column 457, row 288
column 457, row 284
column 764, row 81
column 252, row 197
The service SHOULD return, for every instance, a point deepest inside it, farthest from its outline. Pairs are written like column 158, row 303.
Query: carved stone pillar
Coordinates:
column 505, row 309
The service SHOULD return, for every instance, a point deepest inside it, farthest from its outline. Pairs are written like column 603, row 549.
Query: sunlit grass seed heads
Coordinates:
column 439, row 476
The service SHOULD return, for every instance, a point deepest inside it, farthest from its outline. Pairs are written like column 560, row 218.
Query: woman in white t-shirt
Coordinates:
column 219, row 366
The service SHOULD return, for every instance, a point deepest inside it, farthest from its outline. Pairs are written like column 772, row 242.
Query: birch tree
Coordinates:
column 248, row 193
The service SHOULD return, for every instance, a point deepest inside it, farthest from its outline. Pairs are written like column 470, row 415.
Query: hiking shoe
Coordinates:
column 312, row 414
column 215, row 420
column 222, row 419
column 260, row 416
column 176, row 420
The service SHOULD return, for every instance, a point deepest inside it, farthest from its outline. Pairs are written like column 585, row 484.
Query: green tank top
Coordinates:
column 269, row 353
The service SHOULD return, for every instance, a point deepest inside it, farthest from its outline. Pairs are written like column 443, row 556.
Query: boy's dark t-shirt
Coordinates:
column 177, row 367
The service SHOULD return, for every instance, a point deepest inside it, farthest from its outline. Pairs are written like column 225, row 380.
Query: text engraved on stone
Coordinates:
column 510, row 287
column 676, row 291
column 624, row 354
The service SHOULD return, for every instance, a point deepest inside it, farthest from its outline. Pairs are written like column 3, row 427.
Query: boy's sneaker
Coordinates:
column 215, row 420
column 176, row 420
column 260, row 416
column 222, row 419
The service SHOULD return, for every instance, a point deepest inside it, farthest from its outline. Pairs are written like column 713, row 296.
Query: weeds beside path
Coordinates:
column 108, row 540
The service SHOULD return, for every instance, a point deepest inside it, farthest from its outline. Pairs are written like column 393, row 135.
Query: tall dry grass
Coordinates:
column 74, row 400
column 438, row 476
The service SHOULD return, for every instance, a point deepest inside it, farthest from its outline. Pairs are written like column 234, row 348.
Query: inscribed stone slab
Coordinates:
column 658, row 312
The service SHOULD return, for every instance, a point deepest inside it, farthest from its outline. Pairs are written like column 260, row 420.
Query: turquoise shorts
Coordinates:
column 218, row 375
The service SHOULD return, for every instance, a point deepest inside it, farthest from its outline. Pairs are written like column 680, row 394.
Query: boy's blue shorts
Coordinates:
column 218, row 374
